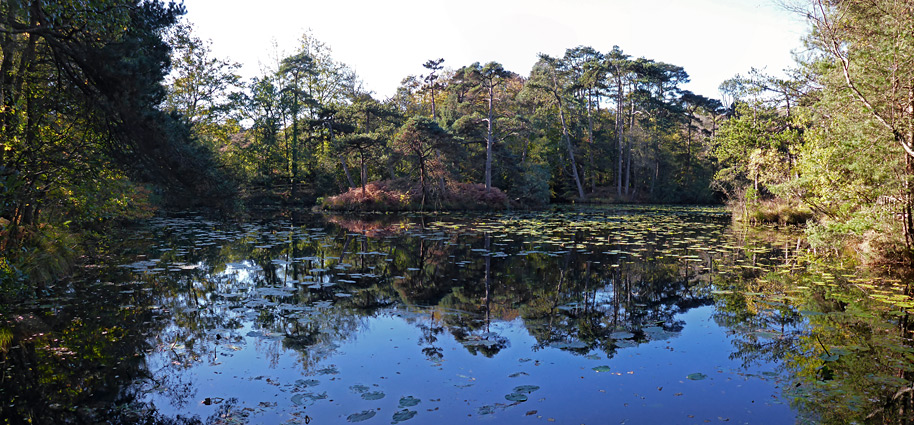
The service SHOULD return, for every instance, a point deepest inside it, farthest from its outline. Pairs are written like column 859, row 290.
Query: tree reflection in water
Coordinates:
column 192, row 297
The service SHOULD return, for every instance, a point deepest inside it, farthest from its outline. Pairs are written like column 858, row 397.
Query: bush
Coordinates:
column 775, row 211
column 532, row 188
column 32, row 256
column 869, row 235
column 405, row 195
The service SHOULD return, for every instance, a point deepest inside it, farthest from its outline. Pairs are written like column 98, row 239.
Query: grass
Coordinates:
column 773, row 211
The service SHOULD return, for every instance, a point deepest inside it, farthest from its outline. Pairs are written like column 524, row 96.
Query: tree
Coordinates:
column 548, row 75
column 619, row 70
column 588, row 75
column 418, row 139
column 79, row 86
column 295, row 69
column 431, row 81
column 486, row 79
column 869, row 47
column 693, row 104
column 199, row 85
column 369, row 126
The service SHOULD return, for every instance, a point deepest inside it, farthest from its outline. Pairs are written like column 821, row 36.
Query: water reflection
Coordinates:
column 334, row 318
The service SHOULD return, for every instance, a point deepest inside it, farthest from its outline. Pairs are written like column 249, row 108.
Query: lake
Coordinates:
column 589, row 315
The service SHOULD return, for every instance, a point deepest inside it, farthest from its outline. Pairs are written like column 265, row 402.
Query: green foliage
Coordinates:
column 532, row 186
column 13, row 282
column 33, row 256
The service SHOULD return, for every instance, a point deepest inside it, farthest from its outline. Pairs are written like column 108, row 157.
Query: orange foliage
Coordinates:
column 405, row 195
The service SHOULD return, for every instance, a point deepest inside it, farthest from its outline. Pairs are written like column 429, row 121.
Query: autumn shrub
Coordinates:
column 388, row 195
column 405, row 195
column 470, row 196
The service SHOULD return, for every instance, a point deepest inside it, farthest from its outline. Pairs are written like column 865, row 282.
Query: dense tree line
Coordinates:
column 82, row 137
column 588, row 125
column 835, row 137
column 80, row 85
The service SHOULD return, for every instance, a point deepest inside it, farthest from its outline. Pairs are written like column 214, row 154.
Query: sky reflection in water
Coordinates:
column 598, row 317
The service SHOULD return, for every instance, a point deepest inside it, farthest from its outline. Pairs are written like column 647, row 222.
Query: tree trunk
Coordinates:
column 909, row 174
column 619, row 124
column 490, row 141
column 593, row 153
column 363, row 171
column 628, row 167
column 346, row 170
column 628, row 146
column 434, row 110
column 688, row 167
column 574, row 166
column 294, row 177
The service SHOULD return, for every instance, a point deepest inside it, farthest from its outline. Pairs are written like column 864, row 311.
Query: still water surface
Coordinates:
column 581, row 316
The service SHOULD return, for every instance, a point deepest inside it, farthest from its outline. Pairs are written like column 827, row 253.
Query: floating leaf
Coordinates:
column 767, row 334
column 409, row 401
column 830, row 358
column 622, row 335
column 308, row 398
column 486, row 410
column 359, row 389
column 307, row 382
column 516, row 397
column 374, row 395
column 603, row 368
column 332, row 370
column 403, row 415
column 361, row 416
column 526, row 389
column 515, row 375
column 697, row 376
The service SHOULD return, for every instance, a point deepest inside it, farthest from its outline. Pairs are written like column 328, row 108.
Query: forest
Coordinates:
column 111, row 110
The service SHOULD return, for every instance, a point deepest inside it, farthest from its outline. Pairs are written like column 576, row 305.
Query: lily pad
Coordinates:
column 603, row 368
column 573, row 345
column 403, row 415
column 516, row 397
column 332, row 370
column 486, row 410
column 622, row 335
column 307, row 382
column 515, row 375
column 361, row 416
column 768, row 334
column 697, row 376
column 374, row 395
column 526, row 389
column 409, row 401
column 359, row 389
column 307, row 399
column 830, row 358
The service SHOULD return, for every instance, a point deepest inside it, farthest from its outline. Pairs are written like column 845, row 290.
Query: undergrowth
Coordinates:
column 405, row 195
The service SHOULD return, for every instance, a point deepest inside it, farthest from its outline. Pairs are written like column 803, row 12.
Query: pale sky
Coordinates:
column 386, row 40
